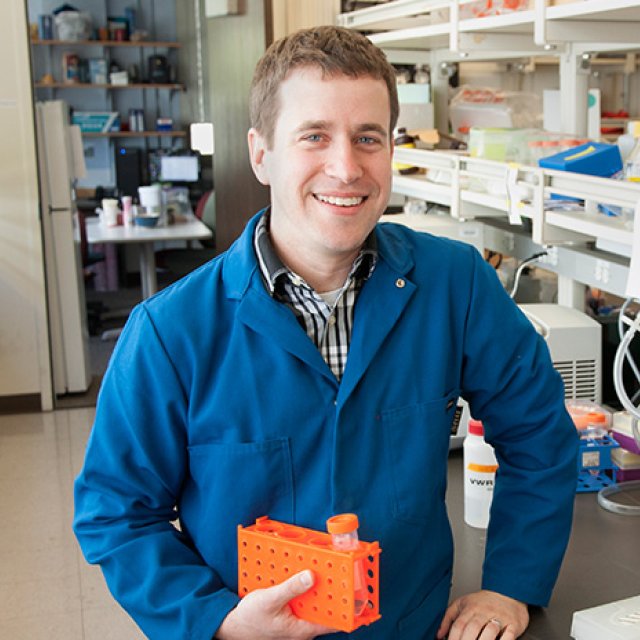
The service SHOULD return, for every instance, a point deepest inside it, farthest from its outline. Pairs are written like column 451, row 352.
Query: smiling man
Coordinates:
column 313, row 369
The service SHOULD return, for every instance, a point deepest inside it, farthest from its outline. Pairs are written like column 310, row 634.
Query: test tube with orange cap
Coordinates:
column 344, row 537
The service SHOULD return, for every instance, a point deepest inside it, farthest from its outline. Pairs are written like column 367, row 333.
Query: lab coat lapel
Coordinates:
column 380, row 303
column 277, row 323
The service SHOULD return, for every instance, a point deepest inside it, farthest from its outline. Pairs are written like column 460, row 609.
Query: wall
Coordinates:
column 24, row 360
column 234, row 45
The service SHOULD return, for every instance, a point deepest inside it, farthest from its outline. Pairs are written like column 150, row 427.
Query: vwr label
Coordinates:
column 481, row 482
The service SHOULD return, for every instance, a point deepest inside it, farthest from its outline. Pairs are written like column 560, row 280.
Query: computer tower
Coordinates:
column 129, row 174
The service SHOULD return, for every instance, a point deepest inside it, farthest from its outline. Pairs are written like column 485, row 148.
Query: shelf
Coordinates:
column 107, row 43
column 413, row 25
column 88, row 85
column 135, row 134
column 474, row 187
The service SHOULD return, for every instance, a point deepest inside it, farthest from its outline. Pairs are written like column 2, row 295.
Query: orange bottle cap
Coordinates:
column 343, row 523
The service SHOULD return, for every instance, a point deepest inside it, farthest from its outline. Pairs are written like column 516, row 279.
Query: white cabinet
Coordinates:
column 505, row 196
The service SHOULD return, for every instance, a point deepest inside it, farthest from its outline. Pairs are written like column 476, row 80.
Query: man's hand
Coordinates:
column 265, row 613
column 484, row 615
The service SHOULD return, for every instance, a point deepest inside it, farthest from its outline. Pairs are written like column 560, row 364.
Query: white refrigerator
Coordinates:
column 60, row 163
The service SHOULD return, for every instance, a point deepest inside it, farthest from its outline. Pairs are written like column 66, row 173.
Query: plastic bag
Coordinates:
column 73, row 25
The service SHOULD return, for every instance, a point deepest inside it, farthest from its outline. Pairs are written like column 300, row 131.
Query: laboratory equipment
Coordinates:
column 574, row 340
column 344, row 537
column 270, row 552
column 596, row 468
column 613, row 621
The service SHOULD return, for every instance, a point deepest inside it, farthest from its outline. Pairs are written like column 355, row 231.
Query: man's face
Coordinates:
column 329, row 167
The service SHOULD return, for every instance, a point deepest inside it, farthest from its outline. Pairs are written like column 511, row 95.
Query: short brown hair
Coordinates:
column 334, row 51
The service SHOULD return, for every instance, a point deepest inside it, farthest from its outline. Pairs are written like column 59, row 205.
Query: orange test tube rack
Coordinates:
column 270, row 552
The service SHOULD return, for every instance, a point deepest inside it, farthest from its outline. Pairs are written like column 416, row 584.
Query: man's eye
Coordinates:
column 313, row 137
column 367, row 140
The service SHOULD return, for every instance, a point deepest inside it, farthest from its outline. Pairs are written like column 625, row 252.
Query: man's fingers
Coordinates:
column 278, row 596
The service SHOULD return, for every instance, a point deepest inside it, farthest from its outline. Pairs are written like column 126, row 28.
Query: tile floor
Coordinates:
column 47, row 590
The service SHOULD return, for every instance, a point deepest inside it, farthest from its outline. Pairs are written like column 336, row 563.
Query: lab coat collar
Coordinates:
column 381, row 302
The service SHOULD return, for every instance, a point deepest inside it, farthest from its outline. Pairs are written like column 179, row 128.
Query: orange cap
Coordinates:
column 343, row 523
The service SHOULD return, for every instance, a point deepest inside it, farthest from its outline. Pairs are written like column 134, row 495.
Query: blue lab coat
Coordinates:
column 218, row 406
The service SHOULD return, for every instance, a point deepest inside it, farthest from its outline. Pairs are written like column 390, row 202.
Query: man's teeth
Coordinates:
column 341, row 202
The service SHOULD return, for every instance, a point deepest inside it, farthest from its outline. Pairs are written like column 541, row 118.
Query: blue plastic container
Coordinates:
column 593, row 158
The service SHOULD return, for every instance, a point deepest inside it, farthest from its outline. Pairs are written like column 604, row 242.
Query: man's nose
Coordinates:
column 343, row 162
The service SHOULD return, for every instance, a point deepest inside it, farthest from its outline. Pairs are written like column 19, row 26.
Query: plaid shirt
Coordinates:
column 328, row 326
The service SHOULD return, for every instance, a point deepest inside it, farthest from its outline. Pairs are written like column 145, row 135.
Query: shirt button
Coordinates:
column 296, row 281
column 400, row 283
column 331, row 320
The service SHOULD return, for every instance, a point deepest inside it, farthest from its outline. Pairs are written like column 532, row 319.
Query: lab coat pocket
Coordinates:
column 417, row 444
column 235, row 482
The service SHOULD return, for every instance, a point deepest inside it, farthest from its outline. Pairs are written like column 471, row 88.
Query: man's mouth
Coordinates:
column 337, row 201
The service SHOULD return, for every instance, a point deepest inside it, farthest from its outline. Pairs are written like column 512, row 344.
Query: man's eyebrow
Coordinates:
column 312, row 124
column 372, row 127
column 324, row 124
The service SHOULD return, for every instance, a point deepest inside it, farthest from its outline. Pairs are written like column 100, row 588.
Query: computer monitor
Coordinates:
column 179, row 168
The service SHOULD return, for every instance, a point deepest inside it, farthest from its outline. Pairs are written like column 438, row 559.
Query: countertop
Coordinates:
column 602, row 563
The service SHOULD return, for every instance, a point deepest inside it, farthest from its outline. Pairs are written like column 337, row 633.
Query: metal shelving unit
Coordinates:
column 586, row 246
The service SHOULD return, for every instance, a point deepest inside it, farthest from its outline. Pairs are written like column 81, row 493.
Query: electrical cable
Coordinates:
column 523, row 264
column 605, row 502
column 623, row 353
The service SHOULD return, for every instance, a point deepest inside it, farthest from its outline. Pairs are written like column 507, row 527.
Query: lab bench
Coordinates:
column 602, row 563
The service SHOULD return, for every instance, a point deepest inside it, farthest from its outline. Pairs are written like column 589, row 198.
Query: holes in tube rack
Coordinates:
column 258, row 547
column 259, row 562
column 369, row 604
column 329, row 580
column 286, row 569
column 345, row 602
column 259, row 578
column 371, row 559
column 286, row 554
column 272, row 581
column 344, row 568
column 315, row 561
column 315, row 608
column 272, row 566
column 245, row 574
column 245, row 590
column 370, row 573
column 329, row 565
column 300, row 557
column 245, row 559
column 329, row 596
column 272, row 550
column 244, row 543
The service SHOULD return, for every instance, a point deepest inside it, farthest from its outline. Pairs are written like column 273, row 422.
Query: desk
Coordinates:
column 602, row 563
column 145, row 237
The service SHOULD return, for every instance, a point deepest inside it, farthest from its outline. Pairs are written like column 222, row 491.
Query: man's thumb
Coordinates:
column 289, row 589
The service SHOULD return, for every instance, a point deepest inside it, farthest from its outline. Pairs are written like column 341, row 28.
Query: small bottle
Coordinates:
column 632, row 164
column 127, row 211
column 344, row 537
column 480, row 467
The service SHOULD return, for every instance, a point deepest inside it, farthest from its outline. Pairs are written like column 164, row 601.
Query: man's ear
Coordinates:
column 257, row 153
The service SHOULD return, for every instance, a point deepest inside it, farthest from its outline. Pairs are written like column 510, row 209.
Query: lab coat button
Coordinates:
column 400, row 283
